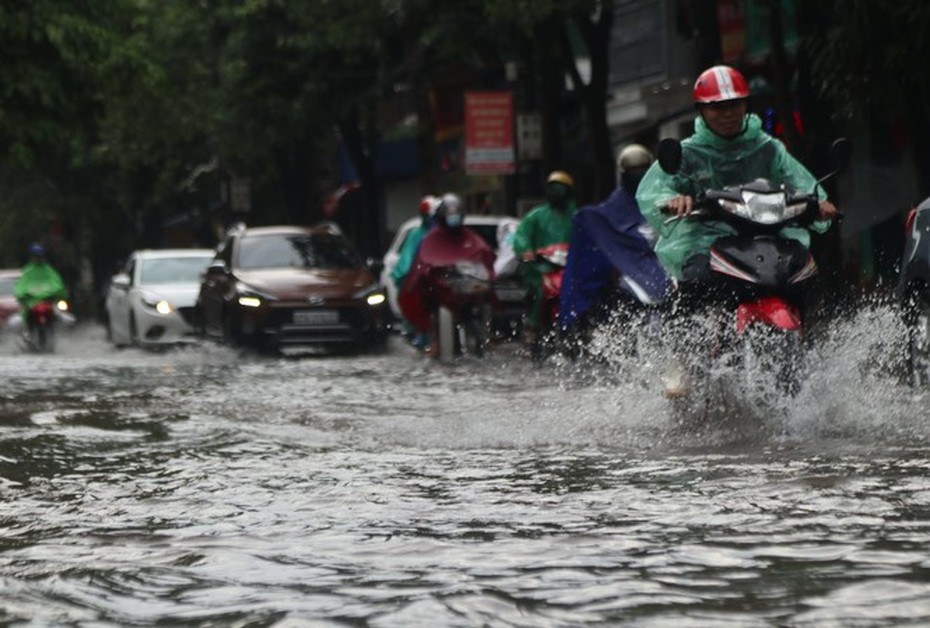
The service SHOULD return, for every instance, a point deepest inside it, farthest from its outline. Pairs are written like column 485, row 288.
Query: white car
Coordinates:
column 508, row 292
column 151, row 302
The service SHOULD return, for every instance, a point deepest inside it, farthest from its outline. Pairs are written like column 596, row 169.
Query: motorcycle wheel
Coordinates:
column 473, row 330
column 773, row 360
column 447, row 335
column 43, row 338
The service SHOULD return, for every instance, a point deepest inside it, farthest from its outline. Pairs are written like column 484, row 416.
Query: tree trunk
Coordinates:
column 550, row 101
column 294, row 167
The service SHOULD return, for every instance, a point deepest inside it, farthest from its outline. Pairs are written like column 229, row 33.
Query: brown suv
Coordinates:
column 284, row 286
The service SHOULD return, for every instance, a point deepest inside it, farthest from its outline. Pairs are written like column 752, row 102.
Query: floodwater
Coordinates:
column 199, row 487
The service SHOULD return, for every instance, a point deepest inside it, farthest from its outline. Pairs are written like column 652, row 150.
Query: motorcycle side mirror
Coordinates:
column 840, row 153
column 670, row 155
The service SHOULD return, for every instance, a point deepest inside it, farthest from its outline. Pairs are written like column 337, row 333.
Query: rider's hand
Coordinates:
column 680, row 205
column 828, row 210
column 528, row 256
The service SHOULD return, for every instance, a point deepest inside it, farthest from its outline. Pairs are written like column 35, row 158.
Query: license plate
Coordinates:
column 316, row 317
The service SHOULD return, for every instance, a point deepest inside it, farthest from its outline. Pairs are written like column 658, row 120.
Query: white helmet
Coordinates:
column 633, row 156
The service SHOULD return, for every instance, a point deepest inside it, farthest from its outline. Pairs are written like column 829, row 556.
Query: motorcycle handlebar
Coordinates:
column 708, row 208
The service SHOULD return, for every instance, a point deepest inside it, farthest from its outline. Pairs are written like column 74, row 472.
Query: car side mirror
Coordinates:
column 670, row 155
column 120, row 281
column 375, row 265
column 216, row 268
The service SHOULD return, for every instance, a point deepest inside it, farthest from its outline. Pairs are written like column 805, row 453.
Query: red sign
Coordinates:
column 489, row 133
column 731, row 19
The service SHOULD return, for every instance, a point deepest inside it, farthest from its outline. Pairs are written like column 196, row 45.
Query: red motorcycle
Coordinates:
column 41, row 322
column 549, row 262
column 462, row 295
column 759, row 279
column 449, row 292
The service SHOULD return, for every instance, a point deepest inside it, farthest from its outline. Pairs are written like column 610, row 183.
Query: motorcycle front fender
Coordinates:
column 771, row 310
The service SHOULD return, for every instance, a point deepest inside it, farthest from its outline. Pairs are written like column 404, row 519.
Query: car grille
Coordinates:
column 353, row 324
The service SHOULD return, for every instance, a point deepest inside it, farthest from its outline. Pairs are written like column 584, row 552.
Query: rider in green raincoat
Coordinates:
column 546, row 224
column 39, row 280
column 728, row 147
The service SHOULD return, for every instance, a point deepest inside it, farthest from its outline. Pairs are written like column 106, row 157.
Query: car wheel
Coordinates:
column 230, row 336
column 133, row 332
column 197, row 322
column 917, row 320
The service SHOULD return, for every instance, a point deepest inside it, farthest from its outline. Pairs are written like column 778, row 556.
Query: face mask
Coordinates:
column 454, row 220
column 630, row 180
column 557, row 196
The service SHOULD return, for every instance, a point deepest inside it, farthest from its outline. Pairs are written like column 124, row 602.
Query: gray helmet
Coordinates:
column 633, row 156
column 451, row 210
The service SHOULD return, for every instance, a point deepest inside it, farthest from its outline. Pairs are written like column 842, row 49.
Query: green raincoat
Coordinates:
column 715, row 162
column 408, row 252
column 542, row 226
column 38, row 282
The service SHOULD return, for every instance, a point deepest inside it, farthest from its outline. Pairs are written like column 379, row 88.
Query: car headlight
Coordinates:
column 158, row 304
column 246, row 300
column 374, row 295
column 247, row 296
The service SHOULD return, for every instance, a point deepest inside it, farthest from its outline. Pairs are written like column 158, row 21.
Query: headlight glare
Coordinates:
column 249, row 301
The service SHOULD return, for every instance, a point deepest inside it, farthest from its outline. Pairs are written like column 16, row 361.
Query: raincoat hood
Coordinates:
column 752, row 132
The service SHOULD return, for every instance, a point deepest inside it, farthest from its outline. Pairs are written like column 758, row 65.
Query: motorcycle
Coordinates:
column 549, row 262
column 759, row 280
column 38, row 330
column 450, row 292
column 463, row 294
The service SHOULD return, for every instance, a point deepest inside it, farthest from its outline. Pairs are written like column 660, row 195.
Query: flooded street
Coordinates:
column 200, row 487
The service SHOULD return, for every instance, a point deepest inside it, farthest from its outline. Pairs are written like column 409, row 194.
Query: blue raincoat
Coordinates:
column 608, row 241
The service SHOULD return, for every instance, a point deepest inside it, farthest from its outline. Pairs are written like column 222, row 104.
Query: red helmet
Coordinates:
column 428, row 205
column 718, row 84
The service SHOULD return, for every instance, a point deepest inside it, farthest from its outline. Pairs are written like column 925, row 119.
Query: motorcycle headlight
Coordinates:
column 766, row 208
column 472, row 269
column 795, row 210
column 62, row 305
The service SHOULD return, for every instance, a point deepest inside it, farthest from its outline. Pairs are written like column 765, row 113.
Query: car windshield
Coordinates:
column 172, row 270
column 488, row 233
column 319, row 250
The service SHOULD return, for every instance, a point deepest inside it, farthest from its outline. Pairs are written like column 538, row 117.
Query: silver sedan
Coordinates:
column 150, row 303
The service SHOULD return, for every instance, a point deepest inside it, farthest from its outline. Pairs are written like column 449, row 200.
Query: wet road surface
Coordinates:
column 202, row 487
